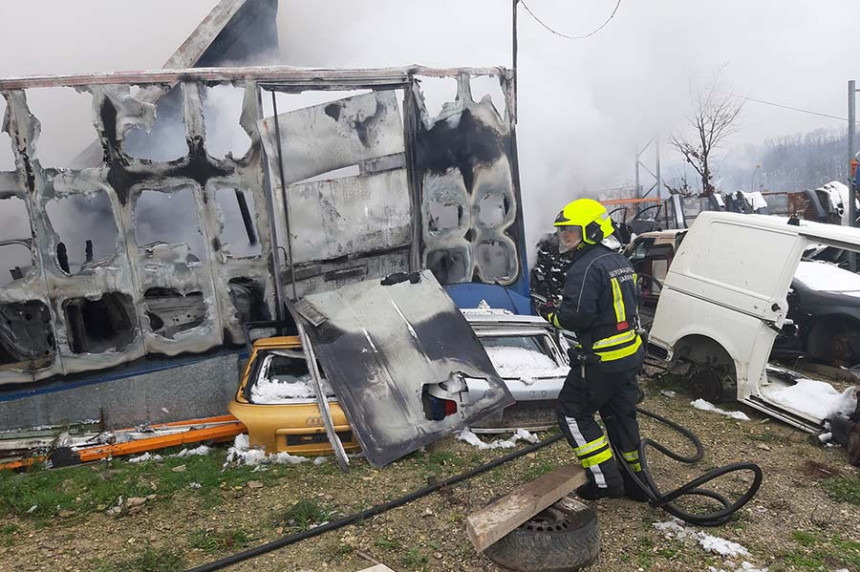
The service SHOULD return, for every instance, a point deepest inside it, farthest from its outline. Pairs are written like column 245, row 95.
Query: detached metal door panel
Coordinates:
column 381, row 345
column 342, row 229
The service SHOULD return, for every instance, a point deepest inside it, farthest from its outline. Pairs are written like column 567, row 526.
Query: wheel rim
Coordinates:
column 559, row 517
column 550, row 520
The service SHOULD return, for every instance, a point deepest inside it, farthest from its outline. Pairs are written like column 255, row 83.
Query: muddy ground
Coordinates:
column 806, row 516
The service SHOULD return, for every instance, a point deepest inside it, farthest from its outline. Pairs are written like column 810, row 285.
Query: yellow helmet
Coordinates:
column 590, row 216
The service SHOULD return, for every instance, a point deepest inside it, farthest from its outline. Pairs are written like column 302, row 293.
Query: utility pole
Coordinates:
column 657, row 161
column 852, row 191
column 638, row 188
column 514, row 56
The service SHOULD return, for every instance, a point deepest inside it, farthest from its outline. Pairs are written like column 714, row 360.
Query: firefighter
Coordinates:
column 599, row 308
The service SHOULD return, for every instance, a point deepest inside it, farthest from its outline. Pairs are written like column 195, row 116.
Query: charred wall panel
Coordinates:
column 103, row 287
column 472, row 227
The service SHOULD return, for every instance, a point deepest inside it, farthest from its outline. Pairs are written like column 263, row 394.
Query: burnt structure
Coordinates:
column 199, row 244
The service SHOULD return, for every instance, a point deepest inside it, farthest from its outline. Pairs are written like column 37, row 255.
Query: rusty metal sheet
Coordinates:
column 381, row 345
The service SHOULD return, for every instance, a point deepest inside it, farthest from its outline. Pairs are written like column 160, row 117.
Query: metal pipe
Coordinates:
column 657, row 157
column 270, row 205
column 284, row 193
column 852, row 191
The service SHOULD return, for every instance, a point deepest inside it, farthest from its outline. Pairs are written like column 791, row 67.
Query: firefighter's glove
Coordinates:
column 549, row 313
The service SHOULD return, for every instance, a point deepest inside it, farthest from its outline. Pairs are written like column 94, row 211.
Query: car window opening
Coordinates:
column 283, row 379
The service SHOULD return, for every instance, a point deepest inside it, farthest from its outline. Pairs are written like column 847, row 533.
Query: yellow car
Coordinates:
column 279, row 407
column 277, row 404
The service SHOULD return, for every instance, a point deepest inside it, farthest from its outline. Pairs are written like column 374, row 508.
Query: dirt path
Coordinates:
column 806, row 516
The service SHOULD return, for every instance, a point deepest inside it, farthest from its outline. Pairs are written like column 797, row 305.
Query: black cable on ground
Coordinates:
column 373, row 511
column 665, row 500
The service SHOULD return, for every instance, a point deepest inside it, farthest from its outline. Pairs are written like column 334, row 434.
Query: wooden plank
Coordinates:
column 495, row 521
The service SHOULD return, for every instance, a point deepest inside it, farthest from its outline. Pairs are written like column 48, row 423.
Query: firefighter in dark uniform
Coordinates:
column 599, row 306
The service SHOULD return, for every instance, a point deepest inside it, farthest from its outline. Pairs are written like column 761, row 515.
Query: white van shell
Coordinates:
column 728, row 285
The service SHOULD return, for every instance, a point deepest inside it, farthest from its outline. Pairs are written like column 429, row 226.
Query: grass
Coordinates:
column 303, row 514
column 438, row 462
column 843, row 489
column 212, row 541
column 415, row 560
column 44, row 494
column 337, row 550
column 7, row 532
column 151, row 560
column 386, row 543
column 803, row 538
column 645, row 555
column 820, row 553
column 538, row 469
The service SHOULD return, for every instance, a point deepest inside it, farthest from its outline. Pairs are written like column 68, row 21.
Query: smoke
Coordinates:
column 584, row 106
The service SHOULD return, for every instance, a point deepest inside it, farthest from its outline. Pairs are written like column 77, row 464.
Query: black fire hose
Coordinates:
column 656, row 498
column 664, row 500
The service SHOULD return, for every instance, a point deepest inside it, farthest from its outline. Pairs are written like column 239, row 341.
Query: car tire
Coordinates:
column 562, row 538
column 835, row 341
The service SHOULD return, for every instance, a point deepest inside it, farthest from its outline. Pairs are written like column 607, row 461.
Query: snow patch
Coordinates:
column 675, row 529
column 145, row 457
column 201, row 450
column 523, row 363
column 668, row 393
column 815, row 398
column 286, row 388
column 826, row 277
column 472, row 439
column 703, row 405
column 241, row 454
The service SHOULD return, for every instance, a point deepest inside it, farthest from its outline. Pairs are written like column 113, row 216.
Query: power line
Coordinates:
column 565, row 36
column 791, row 108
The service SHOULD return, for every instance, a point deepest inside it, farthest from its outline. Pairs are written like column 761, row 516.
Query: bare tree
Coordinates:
column 713, row 119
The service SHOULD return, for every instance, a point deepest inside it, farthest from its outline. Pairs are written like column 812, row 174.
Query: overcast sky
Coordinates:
column 584, row 105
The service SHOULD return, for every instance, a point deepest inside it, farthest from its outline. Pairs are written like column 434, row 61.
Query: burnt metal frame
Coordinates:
column 287, row 79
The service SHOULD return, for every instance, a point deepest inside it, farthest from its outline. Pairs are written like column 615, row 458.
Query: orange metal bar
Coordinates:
column 229, row 428
column 11, row 465
column 220, row 433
